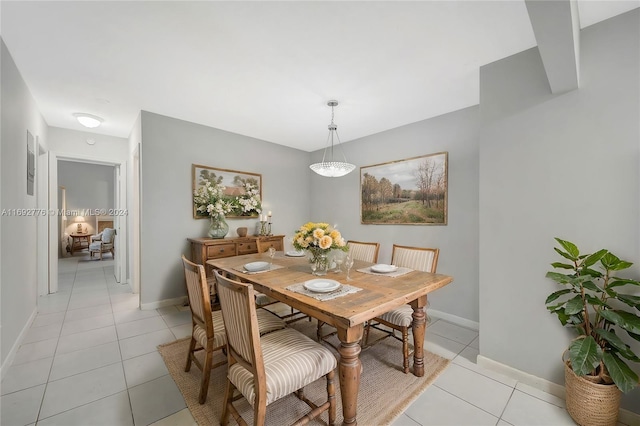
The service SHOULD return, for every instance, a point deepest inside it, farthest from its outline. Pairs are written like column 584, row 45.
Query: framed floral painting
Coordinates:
column 405, row 192
column 233, row 193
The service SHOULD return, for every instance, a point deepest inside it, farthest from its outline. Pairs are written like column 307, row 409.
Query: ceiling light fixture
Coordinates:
column 88, row 120
column 332, row 168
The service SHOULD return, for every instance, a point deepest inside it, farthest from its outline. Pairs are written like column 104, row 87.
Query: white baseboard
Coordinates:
column 526, row 378
column 163, row 303
column 12, row 353
column 463, row 322
column 624, row 416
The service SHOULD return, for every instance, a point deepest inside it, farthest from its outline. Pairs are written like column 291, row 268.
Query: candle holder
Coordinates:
column 269, row 229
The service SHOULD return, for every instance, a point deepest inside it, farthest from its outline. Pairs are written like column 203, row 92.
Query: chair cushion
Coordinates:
column 263, row 299
column 291, row 361
column 219, row 335
column 268, row 322
column 401, row 316
column 95, row 246
column 107, row 235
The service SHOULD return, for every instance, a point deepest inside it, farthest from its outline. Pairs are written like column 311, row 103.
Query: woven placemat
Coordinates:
column 342, row 291
column 400, row 271
column 385, row 391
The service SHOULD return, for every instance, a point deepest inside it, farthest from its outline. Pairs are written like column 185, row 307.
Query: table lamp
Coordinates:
column 80, row 220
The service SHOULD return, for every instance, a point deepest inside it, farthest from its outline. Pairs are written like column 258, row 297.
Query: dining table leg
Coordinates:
column 349, row 368
column 418, row 327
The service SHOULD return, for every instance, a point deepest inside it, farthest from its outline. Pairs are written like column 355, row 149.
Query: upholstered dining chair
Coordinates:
column 267, row 368
column 102, row 242
column 207, row 331
column 400, row 319
column 367, row 252
column 263, row 301
column 359, row 250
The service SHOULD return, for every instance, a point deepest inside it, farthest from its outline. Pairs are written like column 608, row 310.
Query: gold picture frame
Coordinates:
column 405, row 192
column 231, row 179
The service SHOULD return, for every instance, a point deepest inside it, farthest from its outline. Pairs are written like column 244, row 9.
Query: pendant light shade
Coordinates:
column 329, row 167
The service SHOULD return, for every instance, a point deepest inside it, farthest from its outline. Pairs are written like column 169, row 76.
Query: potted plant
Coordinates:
column 591, row 303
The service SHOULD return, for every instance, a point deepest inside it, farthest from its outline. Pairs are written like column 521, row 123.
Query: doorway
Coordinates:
column 117, row 212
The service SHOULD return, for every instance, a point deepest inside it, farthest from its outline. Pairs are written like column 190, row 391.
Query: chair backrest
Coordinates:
column 198, row 291
column 367, row 252
column 108, row 234
column 262, row 246
column 237, row 302
column 418, row 258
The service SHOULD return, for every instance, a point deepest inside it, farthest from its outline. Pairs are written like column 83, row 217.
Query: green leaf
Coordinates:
column 555, row 295
column 574, row 306
column 609, row 260
column 564, row 318
column 594, row 300
column 617, row 343
column 593, row 258
column 622, row 281
column 633, row 301
column 560, row 278
column 623, row 264
column 585, row 355
column 571, row 248
column 612, row 317
column 631, row 321
column 623, row 319
column 591, row 272
column 564, row 254
column 622, row 375
column 561, row 265
column 590, row 285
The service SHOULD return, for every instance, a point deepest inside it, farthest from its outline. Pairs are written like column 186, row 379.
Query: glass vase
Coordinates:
column 218, row 227
column 319, row 262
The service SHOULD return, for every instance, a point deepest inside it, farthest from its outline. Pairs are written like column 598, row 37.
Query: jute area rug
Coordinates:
column 385, row 391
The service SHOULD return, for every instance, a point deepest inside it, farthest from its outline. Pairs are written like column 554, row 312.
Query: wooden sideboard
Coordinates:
column 203, row 249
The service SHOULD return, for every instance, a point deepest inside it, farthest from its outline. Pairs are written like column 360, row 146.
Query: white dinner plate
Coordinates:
column 322, row 285
column 295, row 253
column 256, row 266
column 382, row 268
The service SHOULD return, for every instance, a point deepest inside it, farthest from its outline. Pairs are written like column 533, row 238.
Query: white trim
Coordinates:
column 163, row 303
column 628, row 417
column 16, row 345
column 54, row 157
column 474, row 325
column 624, row 416
column 526, row 378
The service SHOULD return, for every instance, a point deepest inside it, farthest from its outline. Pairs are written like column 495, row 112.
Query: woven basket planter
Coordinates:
column 588, row 403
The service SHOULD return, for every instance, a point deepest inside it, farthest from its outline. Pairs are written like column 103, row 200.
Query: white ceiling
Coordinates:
column 265, row 69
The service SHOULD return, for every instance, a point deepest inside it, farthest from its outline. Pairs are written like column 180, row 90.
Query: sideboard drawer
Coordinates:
column 247, row 247
column 221, row 250
column 203, row 249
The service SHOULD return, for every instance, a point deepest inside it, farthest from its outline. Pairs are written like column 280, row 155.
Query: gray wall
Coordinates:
column 18, row 282
column 89, row 186
column 555, row 165
column 168, row 149
column 337, row 201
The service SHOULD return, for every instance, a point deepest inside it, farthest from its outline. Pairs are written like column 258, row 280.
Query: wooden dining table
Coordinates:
column 348, row 313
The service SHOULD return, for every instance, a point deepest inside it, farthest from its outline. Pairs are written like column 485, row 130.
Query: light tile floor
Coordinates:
column 90, row 358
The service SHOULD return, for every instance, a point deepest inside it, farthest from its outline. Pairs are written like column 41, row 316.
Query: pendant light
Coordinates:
column 332, row 168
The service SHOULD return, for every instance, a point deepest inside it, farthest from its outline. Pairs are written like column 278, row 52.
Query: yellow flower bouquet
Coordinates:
column 318, row 239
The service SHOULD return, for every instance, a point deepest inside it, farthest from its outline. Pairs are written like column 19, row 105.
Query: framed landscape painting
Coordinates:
column 405, row 192
column 235, row 183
